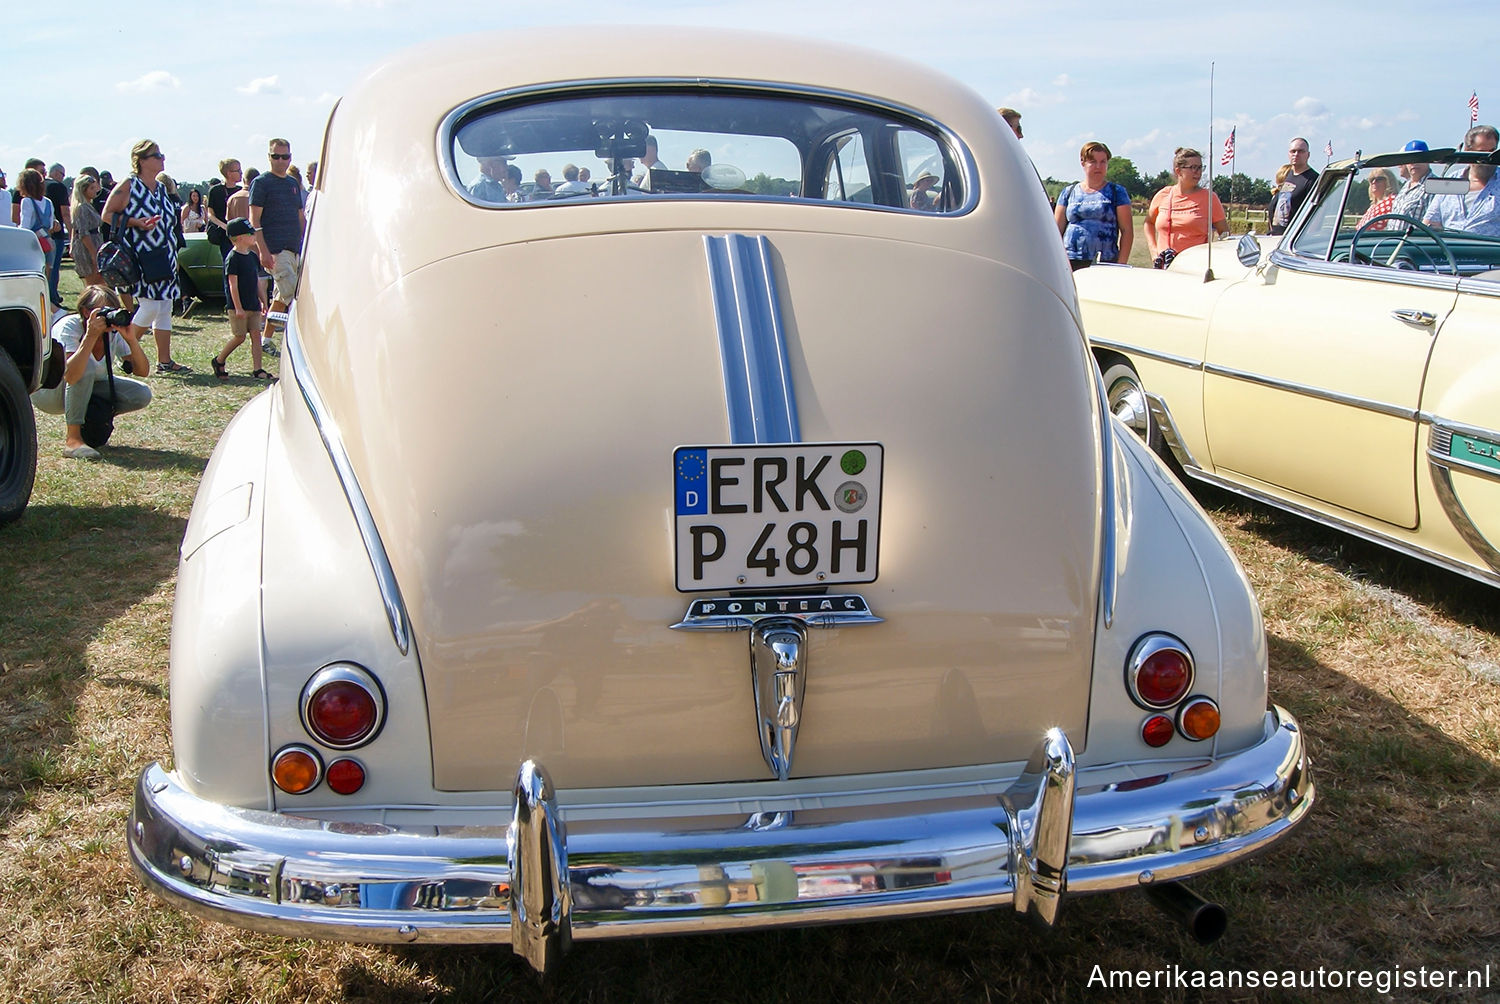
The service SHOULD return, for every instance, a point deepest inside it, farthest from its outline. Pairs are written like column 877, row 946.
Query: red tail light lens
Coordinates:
column 346, row 776
column 1157, row 730
column 343, row 706
column 1199, row 719
column 1159, row 672
column 296, row 769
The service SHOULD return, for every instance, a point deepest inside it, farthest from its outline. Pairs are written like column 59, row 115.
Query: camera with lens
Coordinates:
column 117, row 317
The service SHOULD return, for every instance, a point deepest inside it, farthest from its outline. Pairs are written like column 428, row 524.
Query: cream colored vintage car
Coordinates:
column 1347, row 372
column 692, row 549
column 23, row 332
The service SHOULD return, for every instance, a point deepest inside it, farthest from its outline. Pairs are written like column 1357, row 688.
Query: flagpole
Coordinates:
column 1208, row 272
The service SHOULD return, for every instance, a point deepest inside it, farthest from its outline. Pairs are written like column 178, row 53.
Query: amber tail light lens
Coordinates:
column 1159, row 672
column 343, row 706
column 296, row 769
column 1199, row 719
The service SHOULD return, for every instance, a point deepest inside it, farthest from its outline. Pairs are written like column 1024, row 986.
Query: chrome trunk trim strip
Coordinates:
column 758, row 391
column 380, row 562
column 448, row 879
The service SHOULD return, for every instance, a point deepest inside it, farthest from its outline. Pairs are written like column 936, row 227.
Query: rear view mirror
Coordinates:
column 1248, row 251
column 1447, row 186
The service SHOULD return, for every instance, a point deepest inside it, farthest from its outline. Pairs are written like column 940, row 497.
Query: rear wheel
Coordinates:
column 17, row 441
column 1127, row 401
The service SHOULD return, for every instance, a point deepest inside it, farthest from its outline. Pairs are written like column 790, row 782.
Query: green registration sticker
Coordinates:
column 1475, row 451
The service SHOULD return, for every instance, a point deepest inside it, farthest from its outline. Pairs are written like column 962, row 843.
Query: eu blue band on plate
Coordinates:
column 692, row 482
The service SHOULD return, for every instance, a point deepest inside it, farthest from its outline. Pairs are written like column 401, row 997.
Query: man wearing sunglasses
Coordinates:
column 276, row 212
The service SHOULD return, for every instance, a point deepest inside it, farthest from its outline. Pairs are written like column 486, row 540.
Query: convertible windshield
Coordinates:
column 1442, row 218
column 666, row 143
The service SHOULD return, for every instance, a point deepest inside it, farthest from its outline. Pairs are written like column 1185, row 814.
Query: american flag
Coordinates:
column 1473, row 107
column 1328, row 149
column 1228, row 157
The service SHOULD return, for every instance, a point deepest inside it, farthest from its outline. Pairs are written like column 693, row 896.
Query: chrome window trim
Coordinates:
column 1372, row 273
column 946, row 136
column 380, row 562
column 1479, row 287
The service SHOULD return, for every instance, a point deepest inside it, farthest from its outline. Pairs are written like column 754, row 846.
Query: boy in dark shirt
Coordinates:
column 242, row 294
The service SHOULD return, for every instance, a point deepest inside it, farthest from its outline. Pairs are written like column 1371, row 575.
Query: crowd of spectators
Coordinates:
column 256, row 220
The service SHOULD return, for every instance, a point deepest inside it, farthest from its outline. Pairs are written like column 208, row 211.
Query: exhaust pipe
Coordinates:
column 1205, row 921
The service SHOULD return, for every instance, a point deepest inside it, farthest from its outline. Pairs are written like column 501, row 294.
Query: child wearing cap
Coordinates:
column 242, row 293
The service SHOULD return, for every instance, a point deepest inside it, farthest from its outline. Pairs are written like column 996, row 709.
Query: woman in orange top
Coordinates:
column 1179, row 215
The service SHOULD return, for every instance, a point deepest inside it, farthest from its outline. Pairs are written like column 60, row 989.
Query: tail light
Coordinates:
column 296, row 769
column 343, row 706
column 1159, row 672
column 346, row 776
column 1157, row 730
column 1198, row 719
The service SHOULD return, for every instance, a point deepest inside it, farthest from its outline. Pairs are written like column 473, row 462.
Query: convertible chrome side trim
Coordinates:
column 1319, row 393
column 1190, row 467
column 380, row 562
column 1305, row 390
column 758, row 390
column 1136, row 350
column 1441, row 465
column 450, row 879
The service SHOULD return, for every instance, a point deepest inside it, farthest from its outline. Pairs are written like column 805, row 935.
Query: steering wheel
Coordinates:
column 1402, row 241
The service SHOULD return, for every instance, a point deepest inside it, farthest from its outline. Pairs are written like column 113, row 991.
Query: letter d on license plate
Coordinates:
column 763, row 516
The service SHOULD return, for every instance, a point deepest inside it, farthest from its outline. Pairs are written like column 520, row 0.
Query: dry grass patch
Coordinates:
column 1390, row 666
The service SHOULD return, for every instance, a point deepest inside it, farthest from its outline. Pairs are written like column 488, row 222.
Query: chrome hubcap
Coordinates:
column 1128, row 403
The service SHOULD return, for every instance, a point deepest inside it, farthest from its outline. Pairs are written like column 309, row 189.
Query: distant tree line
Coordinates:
column 1243, row 188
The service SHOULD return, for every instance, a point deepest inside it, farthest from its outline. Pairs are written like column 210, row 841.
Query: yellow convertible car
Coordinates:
column 1347, row 371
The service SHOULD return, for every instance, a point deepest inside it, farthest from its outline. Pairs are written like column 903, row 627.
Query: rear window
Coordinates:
column 681, row 144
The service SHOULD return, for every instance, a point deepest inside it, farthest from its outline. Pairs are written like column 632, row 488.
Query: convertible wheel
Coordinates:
column 17, row 441
column 1127, row 400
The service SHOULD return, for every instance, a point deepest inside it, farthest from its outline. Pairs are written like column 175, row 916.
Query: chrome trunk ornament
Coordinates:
column 778, row 670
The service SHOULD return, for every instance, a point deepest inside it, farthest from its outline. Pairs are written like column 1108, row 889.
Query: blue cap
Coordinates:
column 1416, row 146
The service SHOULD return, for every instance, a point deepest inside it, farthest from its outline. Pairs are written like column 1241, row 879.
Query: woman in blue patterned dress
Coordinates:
column 1093, row 215
column 149, row 216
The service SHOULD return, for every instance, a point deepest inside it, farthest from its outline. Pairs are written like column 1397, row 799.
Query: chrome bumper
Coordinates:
column 305, row 877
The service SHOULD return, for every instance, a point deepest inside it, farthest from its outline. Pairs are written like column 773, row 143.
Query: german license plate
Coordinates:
column 764, row 516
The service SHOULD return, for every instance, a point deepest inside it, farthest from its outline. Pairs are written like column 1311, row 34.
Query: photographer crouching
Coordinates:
column 89, row 395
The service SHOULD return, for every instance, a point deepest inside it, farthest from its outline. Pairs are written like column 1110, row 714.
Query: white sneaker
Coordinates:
column 82, row 453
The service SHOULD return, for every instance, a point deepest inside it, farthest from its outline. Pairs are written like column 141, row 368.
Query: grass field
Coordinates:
column 1392, row 667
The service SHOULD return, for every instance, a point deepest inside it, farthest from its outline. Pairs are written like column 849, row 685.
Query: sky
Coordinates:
column 216, row 80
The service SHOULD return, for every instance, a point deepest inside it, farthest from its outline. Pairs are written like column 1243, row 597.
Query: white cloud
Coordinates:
column 1139, row 143
column 149, row 83
column 1061, row 80
column 1310, row 108
column 1029, row 97
column 261, row 85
